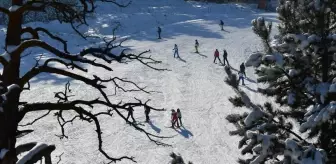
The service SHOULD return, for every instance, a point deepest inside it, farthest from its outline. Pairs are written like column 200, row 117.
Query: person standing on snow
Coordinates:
column 159, row 32
column 242, row 69
column 196, row 45
column 174, row 118
column 216, row 55
column 179, row 116
column 130, row 113
column 241, row 77
column 225, row 57
column 221, row 25
column 147, row 111
column 176, row 51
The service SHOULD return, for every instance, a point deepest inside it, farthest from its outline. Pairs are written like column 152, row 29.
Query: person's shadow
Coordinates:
column 184, row 132
column 201, row 54
column 155, row 128
column 250, row 80
column 253, row 90
column 181, row 59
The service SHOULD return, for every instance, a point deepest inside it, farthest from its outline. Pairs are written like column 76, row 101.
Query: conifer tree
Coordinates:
column 298, row 68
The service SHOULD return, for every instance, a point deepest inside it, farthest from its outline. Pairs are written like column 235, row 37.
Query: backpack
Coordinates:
column 225, row 54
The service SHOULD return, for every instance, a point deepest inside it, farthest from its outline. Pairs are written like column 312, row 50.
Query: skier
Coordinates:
column 225, row 57
column 147, row 110
column 174, row 118
column 242, row 69
column 130, row 113
column 196, row 45
column 159, row 32
column 176, row 51
column 216, row 55
column 221, row 24
column 179, row 116
column 241, row 77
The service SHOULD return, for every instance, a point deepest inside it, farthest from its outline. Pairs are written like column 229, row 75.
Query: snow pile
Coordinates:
column 254, row 60
column 253, row 116
column 304, row 155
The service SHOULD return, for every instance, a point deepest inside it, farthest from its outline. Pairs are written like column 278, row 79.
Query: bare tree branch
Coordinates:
column 3, row 61
column 75, row 15
column 35, row 120
column 4, row 10
column 118, row 4
column 59, row 158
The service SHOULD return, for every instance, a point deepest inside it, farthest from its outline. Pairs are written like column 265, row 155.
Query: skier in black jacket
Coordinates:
column 225, row 57
column 130, row 113
column 242, row 69
column 147, row 111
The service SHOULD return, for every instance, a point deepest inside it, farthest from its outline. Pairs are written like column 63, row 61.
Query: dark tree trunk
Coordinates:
column 11, row 74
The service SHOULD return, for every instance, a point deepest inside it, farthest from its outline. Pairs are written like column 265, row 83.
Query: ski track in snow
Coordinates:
column 196, row 86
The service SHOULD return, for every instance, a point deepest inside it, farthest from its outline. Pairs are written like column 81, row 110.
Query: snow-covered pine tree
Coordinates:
column 298, row 67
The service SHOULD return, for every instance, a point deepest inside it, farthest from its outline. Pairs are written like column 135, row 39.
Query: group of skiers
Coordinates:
column 176, row 116
column 131, row 110
column 225, row 55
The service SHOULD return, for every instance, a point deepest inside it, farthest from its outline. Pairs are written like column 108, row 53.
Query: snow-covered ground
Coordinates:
column 194, row 84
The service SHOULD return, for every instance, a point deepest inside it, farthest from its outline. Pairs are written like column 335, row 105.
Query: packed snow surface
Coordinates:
column 195, row 84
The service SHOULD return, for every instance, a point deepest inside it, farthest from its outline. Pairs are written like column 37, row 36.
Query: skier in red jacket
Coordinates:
column 217, row 56
column 174, row 118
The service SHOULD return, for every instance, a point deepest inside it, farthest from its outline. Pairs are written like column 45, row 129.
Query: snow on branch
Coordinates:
column 13, row 8
column 303, row 154
column 265, row 134
column 317, row 115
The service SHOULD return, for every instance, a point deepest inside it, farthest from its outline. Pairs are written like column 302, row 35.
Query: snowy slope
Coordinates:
column 195, row 84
